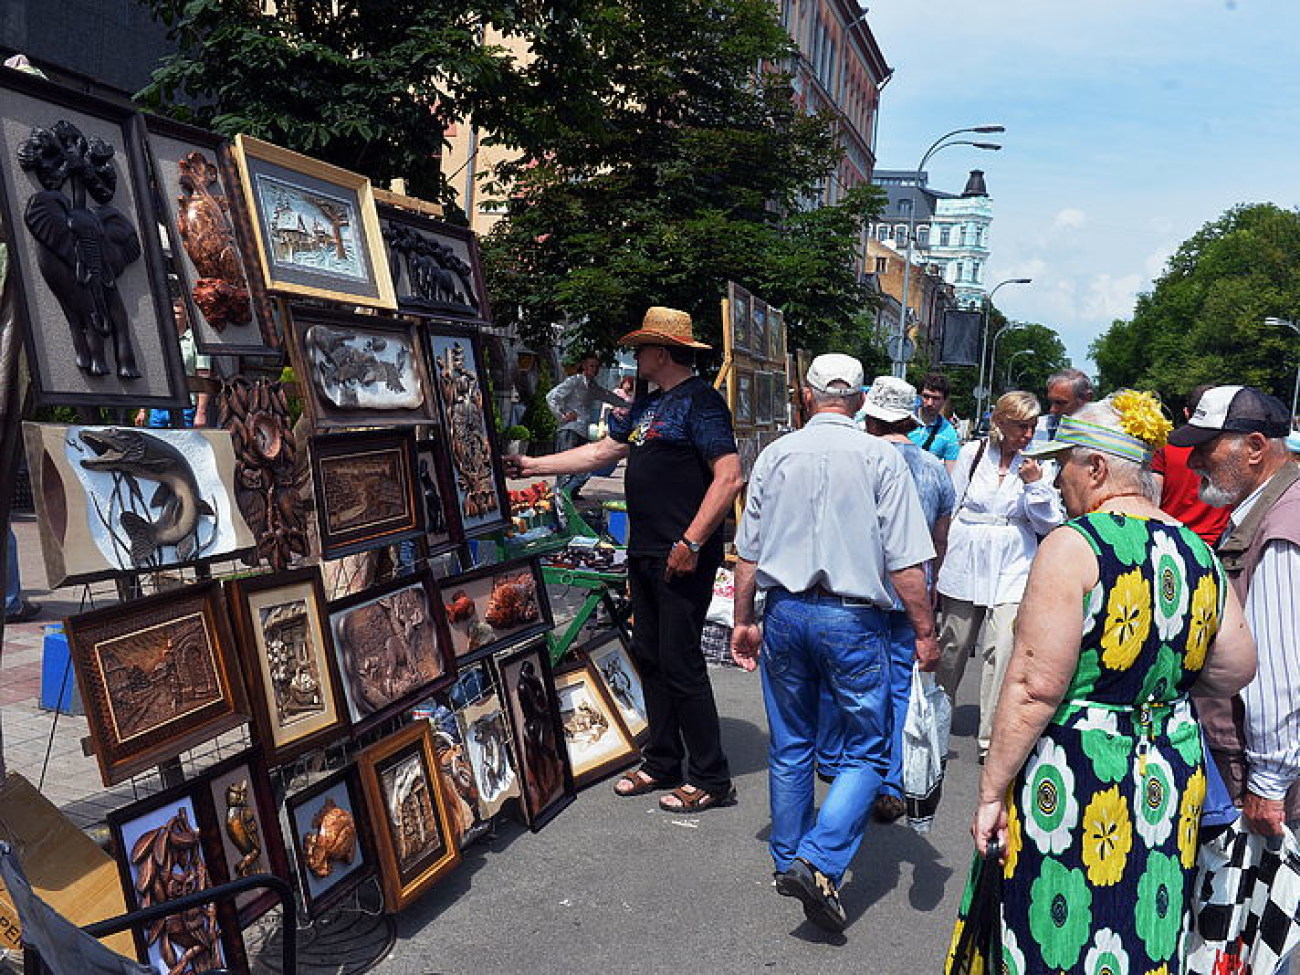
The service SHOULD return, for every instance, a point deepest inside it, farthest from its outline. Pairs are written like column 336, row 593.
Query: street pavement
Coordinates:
column 610, row 885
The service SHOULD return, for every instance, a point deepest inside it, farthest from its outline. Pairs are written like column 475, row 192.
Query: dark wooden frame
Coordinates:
column 433, row 445
column 476, row 710
column 738, row 305
column 256, row 158
column 407, row 524
column 452, row 584
column 143, row 285
column 152, row 130
column 458, row 239
column 88, row 632
column 302, row 800
column 582, row 670
column 402, row 887
column 435, row 332
column 240, row 595
column 340, row 607
column 536, row 815
column 643, row 732
column 324, row 414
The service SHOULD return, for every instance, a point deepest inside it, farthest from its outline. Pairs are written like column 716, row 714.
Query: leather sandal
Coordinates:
column 637, row 783
column 690, row 799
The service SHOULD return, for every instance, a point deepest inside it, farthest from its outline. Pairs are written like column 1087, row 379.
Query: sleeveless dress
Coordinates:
column 1103, row 819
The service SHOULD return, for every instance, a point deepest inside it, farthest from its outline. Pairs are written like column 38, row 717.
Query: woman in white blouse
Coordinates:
column 1006, row 502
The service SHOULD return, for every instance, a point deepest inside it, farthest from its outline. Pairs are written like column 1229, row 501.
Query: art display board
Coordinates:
column 758, row 384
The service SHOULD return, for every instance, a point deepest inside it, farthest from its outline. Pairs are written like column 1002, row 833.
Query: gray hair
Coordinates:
column 1077, row 379
column 1127, row 473
column 843, row 398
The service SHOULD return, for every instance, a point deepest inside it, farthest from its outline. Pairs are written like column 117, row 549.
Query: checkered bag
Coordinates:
column 1246, row 904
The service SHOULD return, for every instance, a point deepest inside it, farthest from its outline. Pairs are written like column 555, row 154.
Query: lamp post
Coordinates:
column 993, row 353
column 1012, row 358
column 945, row 141
column 1295, row 391
column 981, row 394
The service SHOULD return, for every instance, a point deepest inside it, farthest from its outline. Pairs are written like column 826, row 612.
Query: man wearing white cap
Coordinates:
column 832, row 519
column 1238, row 440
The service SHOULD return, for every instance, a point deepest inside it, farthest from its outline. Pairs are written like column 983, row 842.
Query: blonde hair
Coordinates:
column 1015, row 405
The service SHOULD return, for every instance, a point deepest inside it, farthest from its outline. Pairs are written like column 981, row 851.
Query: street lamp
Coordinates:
column 1295, row 392
column 1012, row 358
column 981, row 393
column 945, row 141
column 993, row 354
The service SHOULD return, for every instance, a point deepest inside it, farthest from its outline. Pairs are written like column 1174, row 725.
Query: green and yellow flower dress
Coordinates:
column 1101, row 862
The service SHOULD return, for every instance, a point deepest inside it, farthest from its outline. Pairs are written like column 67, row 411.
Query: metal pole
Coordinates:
column 980, row 391
column 993, row 355
column 1295, row 392
column 1012, row 358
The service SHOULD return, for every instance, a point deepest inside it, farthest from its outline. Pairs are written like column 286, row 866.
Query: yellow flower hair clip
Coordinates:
column 1141, row 415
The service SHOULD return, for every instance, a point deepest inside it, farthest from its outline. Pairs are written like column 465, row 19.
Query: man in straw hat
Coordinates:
column 832, row 521
column 683, row 473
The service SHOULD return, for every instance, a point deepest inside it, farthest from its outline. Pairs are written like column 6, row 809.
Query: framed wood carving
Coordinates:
column 597, row 741
column 290, row 667
column 738, row 305
column 157, row 676
column 85, row 254
column 360, row 370
column 315, row 225
column 534, row 712
column 442, row 530
column 465, row 819
column 203, row 210
column 758, row 337
column 165, row 847
column 435, row 266
column 494, row 606
column 762, row 398
column 613, row 660
column 744, row 397
column 456, row 359
column 413, row 845
column 332, row 844
column 120, row 499
column 365, row 490
column 485, row 729
column 392, row 648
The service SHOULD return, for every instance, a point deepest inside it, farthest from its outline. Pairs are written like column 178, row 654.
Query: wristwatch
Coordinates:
column 693, row 546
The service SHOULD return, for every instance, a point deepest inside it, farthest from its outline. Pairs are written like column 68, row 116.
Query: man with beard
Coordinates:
column 1238, row 440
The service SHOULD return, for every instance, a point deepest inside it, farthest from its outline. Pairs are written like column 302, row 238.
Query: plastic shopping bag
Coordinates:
column 977, row 941
column 925, row 749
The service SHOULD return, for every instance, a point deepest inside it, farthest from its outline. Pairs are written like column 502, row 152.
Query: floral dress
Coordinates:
column 1104, row 816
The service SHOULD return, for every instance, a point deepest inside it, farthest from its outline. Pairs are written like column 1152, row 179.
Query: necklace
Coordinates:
column 1118, row 494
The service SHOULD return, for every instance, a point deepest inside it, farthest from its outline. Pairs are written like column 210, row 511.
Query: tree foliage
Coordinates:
column 1204, row 320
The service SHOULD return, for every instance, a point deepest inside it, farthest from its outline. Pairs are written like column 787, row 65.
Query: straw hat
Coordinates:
column 664, row 326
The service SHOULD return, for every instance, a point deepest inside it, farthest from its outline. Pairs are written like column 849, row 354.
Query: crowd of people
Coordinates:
column 1128, row 588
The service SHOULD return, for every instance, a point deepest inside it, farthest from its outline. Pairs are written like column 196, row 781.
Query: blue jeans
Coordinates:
column 811, row 642
column 13, row 585
column 830, row 730
column 567, row 440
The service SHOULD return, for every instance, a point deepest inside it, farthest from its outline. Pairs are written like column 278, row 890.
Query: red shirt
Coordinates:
column 1178, row 497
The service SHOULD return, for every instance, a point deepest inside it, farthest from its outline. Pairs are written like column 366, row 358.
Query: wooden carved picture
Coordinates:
column 598, row 742
column 457, row 364
column 738, row 305
column 158, row 675
column 365, row 490
column 203, row 210
column 248, row 827
column 391, row 647
column 616, row 667
column 539, row 735
column 332, row 843
column 435, row 266
column 84, row 251
column 494, row 606
column 433, row 482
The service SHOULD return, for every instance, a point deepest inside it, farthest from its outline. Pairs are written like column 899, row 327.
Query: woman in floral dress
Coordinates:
column 1095, row 780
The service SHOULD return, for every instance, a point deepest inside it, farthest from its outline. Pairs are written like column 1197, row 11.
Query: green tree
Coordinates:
column 1204, row 320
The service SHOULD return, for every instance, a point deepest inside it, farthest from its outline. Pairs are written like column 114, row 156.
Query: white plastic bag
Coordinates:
column 925, row 749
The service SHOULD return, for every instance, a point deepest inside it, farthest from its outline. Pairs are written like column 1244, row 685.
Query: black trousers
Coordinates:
column 683, row 716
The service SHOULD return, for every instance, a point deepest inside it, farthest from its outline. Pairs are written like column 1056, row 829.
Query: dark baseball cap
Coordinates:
column 1233, row 409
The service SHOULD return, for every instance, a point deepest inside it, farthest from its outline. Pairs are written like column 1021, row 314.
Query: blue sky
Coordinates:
column 1129, row 126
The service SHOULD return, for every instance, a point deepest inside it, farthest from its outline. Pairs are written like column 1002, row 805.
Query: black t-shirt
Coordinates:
column 673, row 435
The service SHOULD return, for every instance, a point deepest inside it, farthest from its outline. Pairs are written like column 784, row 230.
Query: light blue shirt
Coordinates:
column 834, row 507
column 945, row 443
column 933, row 487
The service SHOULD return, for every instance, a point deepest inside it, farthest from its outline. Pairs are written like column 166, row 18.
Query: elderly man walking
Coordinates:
column 1238, row 440
column 831, row 520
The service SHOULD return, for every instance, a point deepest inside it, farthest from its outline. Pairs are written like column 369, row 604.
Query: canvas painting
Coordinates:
column 479, row 478
column 738, row 304
column 744, row 398
column 435, row 266
column 758, row 328
column 488, row 608
column 391, row 648
column 121, row 499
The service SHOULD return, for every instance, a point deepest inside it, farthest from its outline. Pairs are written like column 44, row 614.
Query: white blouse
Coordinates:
column 996, row 527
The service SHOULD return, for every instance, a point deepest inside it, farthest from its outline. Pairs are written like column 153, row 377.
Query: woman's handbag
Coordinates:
column 1246, row 903
column 977, row 947
column 925, row 749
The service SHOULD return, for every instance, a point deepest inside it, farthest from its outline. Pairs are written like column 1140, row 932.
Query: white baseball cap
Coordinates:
column 835, row 367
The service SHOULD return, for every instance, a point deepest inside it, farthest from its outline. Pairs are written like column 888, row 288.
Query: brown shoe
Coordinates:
column 888, row 809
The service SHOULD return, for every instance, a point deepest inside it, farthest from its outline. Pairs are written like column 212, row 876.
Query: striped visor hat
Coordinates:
column 1081, row 433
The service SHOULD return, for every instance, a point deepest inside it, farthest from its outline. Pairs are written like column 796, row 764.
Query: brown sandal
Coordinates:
column 691, row 799
column 639, row 782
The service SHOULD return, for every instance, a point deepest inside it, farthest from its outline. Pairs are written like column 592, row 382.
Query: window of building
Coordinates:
column 975, row 272
column 900, row 235
column 882, row 232
column 882, row 265
column 945, row 236
column 923, row 235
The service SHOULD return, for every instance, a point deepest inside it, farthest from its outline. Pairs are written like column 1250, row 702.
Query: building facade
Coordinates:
column 929, row 297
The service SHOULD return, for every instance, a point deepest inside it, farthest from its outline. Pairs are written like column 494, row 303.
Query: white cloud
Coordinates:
column 1110, row 297
column 1070, row 218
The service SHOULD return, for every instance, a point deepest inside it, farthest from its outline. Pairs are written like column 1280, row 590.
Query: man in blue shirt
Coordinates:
column 936, row 434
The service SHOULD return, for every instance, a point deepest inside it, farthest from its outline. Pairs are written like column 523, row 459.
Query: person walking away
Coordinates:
column 1179, row 487
column 1095, row 780
column 1006, row 501
column 573, row 403
column 935, row 433
column 682, row 476
column 890, row 415
column 832, row 518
